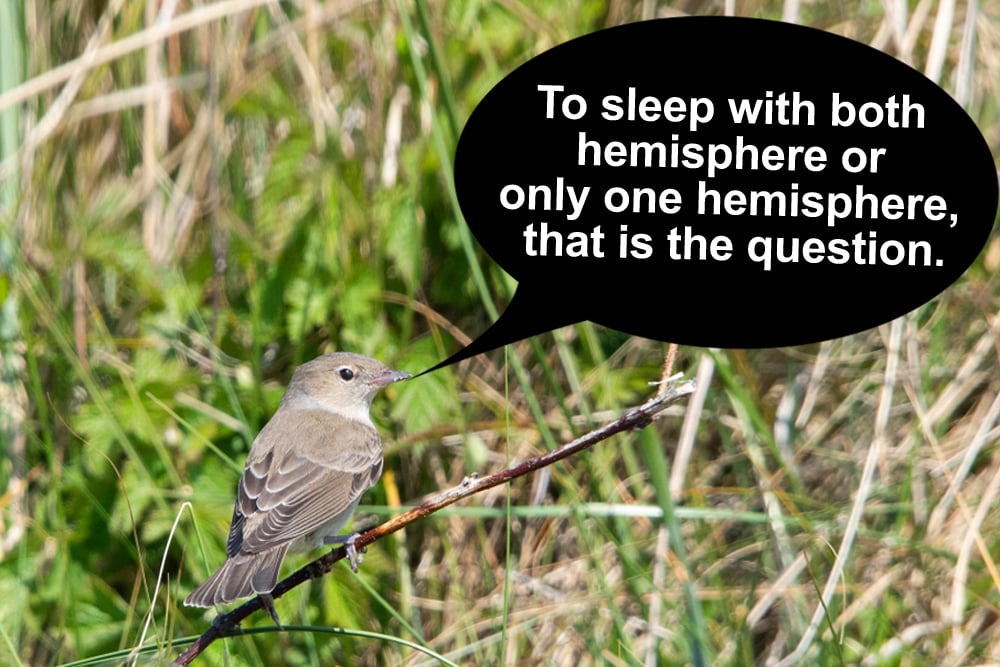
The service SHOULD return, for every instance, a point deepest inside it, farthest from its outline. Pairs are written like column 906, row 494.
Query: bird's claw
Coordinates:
column 268, row 602
column 354, row 557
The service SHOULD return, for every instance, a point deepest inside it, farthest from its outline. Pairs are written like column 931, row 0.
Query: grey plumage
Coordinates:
column 304, row 476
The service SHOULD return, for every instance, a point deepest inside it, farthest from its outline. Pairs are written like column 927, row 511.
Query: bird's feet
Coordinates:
column 268, row 602
column 353, row 554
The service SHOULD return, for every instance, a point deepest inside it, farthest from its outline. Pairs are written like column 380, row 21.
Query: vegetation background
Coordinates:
column 196, row 197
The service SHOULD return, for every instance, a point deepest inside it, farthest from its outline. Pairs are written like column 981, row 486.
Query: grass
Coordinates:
column 195, row 203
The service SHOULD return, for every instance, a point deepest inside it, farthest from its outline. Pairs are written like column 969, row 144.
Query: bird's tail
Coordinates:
column 239, row 577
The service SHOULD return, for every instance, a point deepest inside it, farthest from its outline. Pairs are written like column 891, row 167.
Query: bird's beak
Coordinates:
column 388, row 378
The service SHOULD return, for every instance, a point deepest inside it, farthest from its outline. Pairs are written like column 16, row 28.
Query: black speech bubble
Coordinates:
column 734, row 304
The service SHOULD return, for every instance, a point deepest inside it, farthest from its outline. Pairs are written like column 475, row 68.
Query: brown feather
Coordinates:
column 311, row 484
column 305, row 474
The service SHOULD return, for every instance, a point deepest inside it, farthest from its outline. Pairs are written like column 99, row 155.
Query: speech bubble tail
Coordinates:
column 524, row 317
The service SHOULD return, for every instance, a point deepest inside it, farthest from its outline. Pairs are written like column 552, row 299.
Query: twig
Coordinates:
column 227, row 625
column 668, row 363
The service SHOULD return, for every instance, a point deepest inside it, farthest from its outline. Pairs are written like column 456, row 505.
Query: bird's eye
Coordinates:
column 346, row 374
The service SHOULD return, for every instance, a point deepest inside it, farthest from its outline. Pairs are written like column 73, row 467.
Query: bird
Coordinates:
column 304, row 476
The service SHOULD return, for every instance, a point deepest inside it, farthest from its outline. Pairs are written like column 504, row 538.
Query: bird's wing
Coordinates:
column 310, row 479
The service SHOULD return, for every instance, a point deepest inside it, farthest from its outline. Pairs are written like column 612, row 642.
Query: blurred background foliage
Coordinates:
column 197, row 197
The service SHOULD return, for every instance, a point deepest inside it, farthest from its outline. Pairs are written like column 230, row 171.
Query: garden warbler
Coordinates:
column 304, row 476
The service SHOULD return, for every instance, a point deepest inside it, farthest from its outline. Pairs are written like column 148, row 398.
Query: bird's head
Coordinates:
column 341, row 382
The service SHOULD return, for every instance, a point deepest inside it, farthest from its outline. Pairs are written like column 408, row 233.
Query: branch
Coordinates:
column 228, row 624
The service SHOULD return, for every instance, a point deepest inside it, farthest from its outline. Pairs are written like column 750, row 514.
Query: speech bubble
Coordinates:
column 721, row 182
